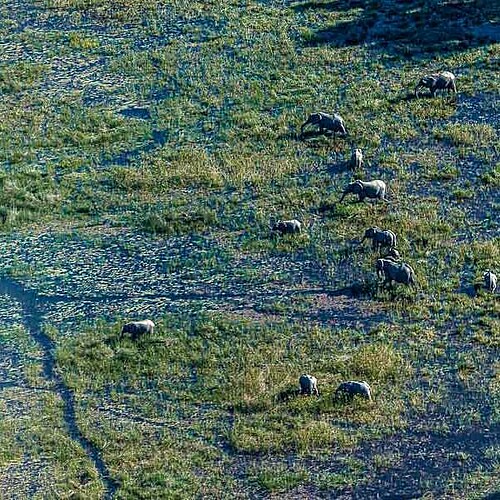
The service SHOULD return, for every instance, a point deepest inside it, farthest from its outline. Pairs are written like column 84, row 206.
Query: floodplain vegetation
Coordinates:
column 145, row 150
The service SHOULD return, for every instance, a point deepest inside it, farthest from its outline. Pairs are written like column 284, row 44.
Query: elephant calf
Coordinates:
column 437, row 81
column 380, row 238
column 392, row 254
column 352, row 388
column 356, row 159
column 287, row 226
column 400, row 272
column 324, row 121
column 371, row 189
column 137, row 328
column 308, row 385
column 490, row 281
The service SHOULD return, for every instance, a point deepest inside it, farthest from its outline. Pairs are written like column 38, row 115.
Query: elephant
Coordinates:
column 380, row 238
column 137, row 328
column 287, row 226
column 392, row 254
column 347, row 390
column 490, row 281
column 325, row 121
column 356, row 159
column 400, row 272
column 437, row 81
column 370, row 189
column 308, row 385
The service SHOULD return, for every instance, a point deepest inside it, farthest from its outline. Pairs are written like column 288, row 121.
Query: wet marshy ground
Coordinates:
column 165, row 112
column 74, row 281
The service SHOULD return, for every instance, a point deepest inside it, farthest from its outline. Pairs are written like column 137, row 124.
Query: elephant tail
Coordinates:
column 413, row 279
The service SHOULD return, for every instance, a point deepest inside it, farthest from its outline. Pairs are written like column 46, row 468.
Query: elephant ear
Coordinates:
column 359, row 186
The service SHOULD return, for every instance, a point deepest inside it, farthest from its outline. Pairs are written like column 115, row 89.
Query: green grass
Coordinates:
column 166, row 213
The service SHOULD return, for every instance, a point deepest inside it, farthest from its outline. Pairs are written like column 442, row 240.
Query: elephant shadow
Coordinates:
column 338, row 167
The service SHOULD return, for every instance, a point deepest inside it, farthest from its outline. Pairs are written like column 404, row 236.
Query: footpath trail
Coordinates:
column 32, row 319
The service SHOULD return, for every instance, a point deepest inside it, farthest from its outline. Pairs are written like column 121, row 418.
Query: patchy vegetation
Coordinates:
column 146, row 148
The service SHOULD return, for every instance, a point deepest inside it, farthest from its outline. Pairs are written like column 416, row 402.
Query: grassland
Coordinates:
column 145, row 147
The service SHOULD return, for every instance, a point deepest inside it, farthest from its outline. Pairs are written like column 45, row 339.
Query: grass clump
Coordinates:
column 169, row 223
column 279, row 479
column 459, row 134
column 15, row 78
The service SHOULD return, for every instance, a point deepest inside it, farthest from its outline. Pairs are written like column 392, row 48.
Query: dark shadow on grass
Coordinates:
column 158, row 139
column 335, row 5
column 423, row 461
column 492, row 496
column 286, row 395
column 137, row 113
column 338, row 168
column 410, row 27
column 312, row 134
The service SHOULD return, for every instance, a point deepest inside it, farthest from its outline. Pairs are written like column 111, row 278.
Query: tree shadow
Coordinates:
column 410, row 27
column 335, row 5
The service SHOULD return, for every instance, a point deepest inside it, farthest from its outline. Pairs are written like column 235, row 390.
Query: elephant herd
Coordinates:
column 346, row 390
column 390, row 266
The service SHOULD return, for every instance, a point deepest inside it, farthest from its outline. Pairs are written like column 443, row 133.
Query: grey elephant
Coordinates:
column 325, row 121
column 137, row 328
column 356, row 159
column 287, row 226
column 490, row 281
column 353, row 388
column 392, row 254
column 371, row 189
column 380, row 238
column 308, row 385
column 400, row 272
column 437, row 81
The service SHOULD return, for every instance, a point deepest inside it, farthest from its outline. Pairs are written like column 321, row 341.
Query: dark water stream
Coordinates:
column 32, row 305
